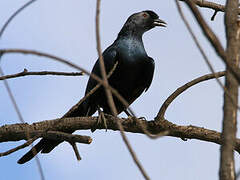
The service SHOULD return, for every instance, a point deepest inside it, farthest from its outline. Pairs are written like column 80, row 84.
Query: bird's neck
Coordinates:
column 130, row 33
column 131, row 37
column 127, row 33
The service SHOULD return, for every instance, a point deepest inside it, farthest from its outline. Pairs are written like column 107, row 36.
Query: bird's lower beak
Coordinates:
column 159, row 22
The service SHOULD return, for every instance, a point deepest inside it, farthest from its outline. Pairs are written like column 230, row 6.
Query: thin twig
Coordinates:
column 183, row 88
column 41, row 54
column 102, row 66
column 214, row 15
column 75, row 149
column 29, row 142
column 14, row 15
column 12, row 98
column 22, row 120
column 210, row 5
column 25, row 72
column 207, row 30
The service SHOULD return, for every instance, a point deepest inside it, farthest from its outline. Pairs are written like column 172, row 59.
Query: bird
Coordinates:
column 132, row 76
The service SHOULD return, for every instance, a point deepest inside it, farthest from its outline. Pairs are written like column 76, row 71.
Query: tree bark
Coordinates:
column 227, row 166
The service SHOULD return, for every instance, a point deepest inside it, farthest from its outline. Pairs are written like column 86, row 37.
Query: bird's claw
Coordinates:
column 101, row 120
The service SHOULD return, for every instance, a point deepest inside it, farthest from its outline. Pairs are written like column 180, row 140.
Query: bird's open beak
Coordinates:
column 159, row 22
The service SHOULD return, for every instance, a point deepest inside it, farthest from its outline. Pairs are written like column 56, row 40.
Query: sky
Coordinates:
column 67, row 29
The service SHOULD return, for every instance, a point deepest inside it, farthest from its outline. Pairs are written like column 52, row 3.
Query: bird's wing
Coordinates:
column 149, row 71
column 110, row 57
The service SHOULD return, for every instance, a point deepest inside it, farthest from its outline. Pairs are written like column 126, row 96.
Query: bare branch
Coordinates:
column 12, row 98
column 16, row 132
column 41, row 54
column 207, row 30
column 25, row 72
column 183, row 88
column 210, row 5
column 74, row 146
column 29, row 142
column 14, row 15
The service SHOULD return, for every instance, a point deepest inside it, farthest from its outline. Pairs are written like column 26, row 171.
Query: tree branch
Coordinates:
column 29, row 142
column 17, row 132
column 210, row 5
column 227, row 164
column 183, row 88
column 13, row 16
column 74, row 146
column 25, row 72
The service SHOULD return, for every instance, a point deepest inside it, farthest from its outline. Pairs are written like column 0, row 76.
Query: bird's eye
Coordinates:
column 145, row 15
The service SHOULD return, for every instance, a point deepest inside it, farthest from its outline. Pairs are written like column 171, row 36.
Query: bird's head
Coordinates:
column 141, row 22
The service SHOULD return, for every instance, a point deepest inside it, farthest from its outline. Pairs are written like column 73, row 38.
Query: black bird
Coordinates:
column 133, row 73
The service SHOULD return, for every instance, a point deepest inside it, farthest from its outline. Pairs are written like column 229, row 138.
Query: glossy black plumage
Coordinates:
column 133, row 74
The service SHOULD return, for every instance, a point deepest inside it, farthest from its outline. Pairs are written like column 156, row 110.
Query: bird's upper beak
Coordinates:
column 159, row 22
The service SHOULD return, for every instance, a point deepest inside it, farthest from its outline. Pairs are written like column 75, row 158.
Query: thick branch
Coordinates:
column 16, row 132
column 227, row 165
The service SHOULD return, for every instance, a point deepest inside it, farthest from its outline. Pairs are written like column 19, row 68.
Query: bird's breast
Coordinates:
column 131, row 48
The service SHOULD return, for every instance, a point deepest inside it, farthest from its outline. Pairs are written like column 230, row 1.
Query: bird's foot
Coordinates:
column 101, row 120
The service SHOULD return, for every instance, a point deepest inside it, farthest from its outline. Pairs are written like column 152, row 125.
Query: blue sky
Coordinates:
column 67, row 29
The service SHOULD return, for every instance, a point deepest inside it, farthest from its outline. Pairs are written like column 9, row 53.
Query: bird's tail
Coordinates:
column 47, row 145
column 33, row 152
